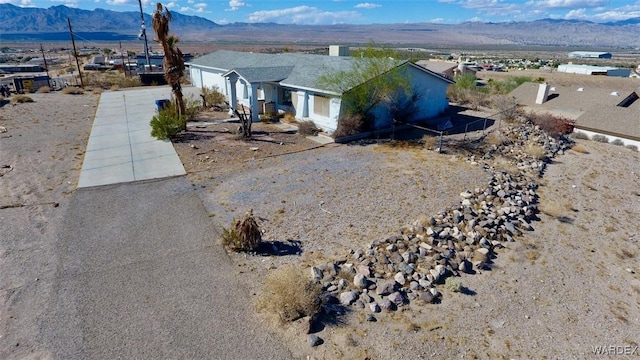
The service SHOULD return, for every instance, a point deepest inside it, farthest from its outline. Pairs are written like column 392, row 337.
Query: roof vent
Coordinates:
column 580, row 89
column 615, row 93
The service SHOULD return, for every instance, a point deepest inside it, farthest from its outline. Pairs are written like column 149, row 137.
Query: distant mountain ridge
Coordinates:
column 20, row 23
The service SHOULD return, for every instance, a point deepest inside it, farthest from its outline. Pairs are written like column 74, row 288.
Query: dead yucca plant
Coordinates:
column 244, row 235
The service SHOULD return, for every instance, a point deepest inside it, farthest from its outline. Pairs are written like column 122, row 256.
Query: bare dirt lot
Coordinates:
column 560, row 291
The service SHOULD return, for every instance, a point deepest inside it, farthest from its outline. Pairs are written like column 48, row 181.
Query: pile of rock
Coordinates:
column 409, row 267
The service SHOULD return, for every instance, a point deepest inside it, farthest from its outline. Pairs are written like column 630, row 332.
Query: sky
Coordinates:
column 323, row 12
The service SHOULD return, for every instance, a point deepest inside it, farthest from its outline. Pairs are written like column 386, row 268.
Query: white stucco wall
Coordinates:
column 610, row 137
column 326, row 123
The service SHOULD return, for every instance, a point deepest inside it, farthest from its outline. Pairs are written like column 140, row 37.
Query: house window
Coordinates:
column 321, row 105
column 285, row 97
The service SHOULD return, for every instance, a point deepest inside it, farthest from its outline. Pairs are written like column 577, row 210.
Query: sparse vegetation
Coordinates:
column 617, row 142
column 507, row 107
column 20, row 98
column 554, row 126
column 289, row 295
column 244, row 235
column 289, row 118
column 307, row 128
column 580, row 149
column 212, row 96
column 632, row 147
column 535, row 151
column 44, row 90
column 453, row 284
column 349, row 125
column 580, row 135
column 73, row 90
column 167, row 123
column 600, row 138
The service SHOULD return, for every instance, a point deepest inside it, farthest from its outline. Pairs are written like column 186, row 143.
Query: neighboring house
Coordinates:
column 614, row 113
column 446, row 68
column 593, row 70
column 289, row 82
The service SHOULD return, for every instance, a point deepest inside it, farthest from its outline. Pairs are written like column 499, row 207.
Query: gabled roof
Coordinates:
column 304, row 70
column 612, row 120
column 437, row 66
column 262, row 74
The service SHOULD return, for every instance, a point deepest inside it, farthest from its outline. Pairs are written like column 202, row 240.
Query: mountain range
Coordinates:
column 17, row 23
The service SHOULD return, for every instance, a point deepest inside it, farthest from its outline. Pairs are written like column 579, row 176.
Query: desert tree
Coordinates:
column 173, row 61
column 377, row 78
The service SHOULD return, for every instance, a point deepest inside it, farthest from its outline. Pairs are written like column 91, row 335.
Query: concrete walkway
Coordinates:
column 120, row 147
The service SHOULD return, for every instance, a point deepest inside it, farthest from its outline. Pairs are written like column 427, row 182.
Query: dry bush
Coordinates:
column 244, row 235
column 554, row 208
column 554, row 126
column 44, row 90
column 600, row 138
column 507, row 107
column 349, row 125
column 73, row 90
column 289, row 118
column 476, row 99
column 431, row 142
column 580, row 149
column 452, row 284
column 307, row 128
column 290, row 295
column 497, row 138
column 618, row 142
column 580, row 135
column 212, row 96
column 535, row 151
column 114, row 87
column 96, row 91
column 632, row 147
column 19, row 99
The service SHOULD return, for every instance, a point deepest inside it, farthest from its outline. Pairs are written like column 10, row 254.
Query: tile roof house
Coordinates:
column 289, row 82
column 597, row 111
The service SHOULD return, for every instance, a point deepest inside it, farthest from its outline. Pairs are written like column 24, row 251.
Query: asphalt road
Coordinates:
column 139, row 274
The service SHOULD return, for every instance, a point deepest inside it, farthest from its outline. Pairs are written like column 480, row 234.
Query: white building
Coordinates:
column 593, row 70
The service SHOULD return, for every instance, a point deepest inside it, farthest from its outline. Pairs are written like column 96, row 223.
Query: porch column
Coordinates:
column 233, row 98
column 253, row 100
column 303, row 104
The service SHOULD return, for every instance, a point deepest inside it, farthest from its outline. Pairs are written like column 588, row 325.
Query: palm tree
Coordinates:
column 173, row 62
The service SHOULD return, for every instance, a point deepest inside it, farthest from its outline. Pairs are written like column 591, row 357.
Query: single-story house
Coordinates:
column 614, row 113
column 446, row 68
column 289, row 82
column 593, row 70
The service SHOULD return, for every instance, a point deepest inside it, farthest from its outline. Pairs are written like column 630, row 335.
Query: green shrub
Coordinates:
column 244, row 235
column 452, row 284
column 289, row 295
column 167, row 123
column 600, row 138
column 191, row 107
column 19, row 99
column 307, row 128
column 212, row 96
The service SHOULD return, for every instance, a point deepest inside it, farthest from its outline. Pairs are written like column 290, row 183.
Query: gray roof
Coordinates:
column 437, row 66
column 594, row 109
column 290, row 69
column 263, row 74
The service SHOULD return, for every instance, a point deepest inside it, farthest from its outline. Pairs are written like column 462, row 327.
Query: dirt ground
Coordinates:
column 561, row 291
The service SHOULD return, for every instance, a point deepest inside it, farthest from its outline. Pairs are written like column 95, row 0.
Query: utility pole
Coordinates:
column 144, row 35
column 45, row 65
column 75, row 53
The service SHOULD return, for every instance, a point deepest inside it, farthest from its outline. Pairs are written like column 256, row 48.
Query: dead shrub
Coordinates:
column 580, row 149
column 600, row 138
column 115, row 87
column 507, row 107
column 44, row 90
column 20, row 99
column 289, row 118
column 212, row 96
column 96, row 91
column 244, row 235
column 535, row 151
column 632, row 147
column 307, row 128
column 289, row 295
column 349, row 125
column 431, row 142
column 73, row 90
column 554, row 126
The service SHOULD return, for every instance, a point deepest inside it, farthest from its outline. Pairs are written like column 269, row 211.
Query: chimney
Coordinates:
column 338, row 50
column 543, row 93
